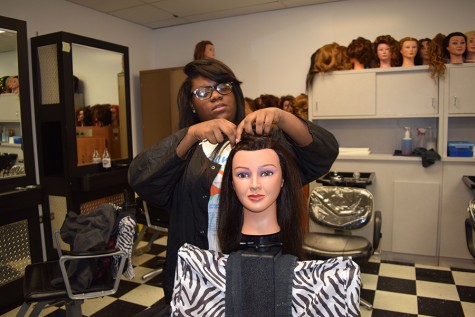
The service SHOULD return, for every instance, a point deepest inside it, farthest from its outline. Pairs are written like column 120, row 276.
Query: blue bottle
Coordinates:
column 406, row 146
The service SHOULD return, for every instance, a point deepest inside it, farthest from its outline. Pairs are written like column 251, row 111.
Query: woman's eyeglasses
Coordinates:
column 205, row 92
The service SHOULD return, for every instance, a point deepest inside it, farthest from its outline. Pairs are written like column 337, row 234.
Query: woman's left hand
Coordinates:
column 259, row 122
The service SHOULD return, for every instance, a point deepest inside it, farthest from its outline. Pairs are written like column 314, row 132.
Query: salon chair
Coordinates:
column 343, row 210
column 154, row 218
column 470, row 221
column 37, row 286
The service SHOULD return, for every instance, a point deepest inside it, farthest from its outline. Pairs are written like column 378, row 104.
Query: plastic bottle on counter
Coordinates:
column 431, row 140
column 406, row 146
column 96, row 158
column 106, row 160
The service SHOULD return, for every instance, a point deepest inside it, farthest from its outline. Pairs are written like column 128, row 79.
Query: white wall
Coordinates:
column 270, row 52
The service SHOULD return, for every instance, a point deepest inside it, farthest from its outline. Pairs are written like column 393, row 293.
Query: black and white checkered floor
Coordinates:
column 395, row 289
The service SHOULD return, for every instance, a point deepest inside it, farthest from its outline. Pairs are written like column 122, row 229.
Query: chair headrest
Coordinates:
column 341, row 207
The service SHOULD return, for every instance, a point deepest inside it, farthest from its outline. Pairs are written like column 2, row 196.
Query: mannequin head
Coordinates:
column 287, row 103
column 422, row 57
column 386, row 50
column 13, row 85
column 301, row 106
column 204, row 50
column 408, row 50
column 470, row 57
column 260, row 195
column 331, row 57
column 360, row 53
column 436, row 56
column 311, row 71
column 455, row 45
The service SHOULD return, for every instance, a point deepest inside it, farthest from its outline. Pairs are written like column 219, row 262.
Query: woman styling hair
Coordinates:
column 182, row 173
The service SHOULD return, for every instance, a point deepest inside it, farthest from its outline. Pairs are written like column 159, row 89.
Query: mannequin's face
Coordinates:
column 409, row 49
column 456, row 45
column 384, row 52
column 257, row 180
column 287, row 106
column 424, row 51
column 471, row 44
column 209, row 51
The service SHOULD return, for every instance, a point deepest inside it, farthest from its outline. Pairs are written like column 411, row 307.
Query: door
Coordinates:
column 159, row 90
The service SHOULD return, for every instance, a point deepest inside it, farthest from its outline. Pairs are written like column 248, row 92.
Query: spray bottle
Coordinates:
column 406, row 146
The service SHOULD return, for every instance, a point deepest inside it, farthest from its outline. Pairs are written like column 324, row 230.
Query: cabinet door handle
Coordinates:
column 455, row 101
column 434, row 103
column 316, row 106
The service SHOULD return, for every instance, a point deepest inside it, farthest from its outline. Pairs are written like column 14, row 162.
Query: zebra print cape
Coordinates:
column 320, row 288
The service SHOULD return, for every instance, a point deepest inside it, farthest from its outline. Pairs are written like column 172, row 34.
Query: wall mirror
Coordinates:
column 99, row 103
column 82, row 106
column 16, row 151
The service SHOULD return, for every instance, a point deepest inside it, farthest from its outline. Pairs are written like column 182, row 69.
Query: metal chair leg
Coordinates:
column 151, row 274
column 23, row 310
column 366, row 304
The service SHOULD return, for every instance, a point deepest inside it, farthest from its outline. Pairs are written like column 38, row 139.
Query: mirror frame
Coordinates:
column 64, row 111
column 81, row 170
column 9, row 184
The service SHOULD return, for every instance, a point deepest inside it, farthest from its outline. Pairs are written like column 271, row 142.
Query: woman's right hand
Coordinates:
column 214, row 131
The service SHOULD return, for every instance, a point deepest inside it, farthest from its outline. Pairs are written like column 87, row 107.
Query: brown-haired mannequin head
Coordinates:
column 204, row 50
column 437, row 58
column 455, row 45
column 332, row 57
column 360, row 53
column 408, row 49
column 386, row 50
column 280, row 207
column 422, row 57
column 470, row 52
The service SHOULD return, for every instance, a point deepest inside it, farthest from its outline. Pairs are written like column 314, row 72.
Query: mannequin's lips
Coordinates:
column 256, row 197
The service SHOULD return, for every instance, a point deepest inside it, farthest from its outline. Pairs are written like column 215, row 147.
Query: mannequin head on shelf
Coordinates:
column 311, row 71
column 408, row 50
column 470, row 57
column 437, row 58
column 204, row 50
column 386, row 50
column 331, row 57
column 260, row 195
column 13, row 85
column 83, row 117
column 422, row 57
column 114, row 109
column 455, row 45
column 360, row 53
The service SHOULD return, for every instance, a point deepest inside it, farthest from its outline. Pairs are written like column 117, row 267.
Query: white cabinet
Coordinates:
column 9, row 108
column 406, row 93
column 343, row 93
column 461, row 92
column 375, row 93
column 423, row 208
